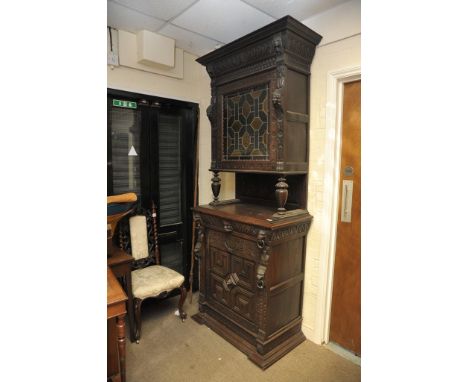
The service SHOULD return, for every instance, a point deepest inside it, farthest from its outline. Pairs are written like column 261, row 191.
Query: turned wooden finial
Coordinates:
column 281, row 194
column 154, row 225
column 215, row 187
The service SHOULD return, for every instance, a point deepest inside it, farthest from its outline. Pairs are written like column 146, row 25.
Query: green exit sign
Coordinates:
column 127, row 104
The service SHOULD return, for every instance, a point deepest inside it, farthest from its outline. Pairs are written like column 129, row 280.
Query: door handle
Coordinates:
column 347, row 201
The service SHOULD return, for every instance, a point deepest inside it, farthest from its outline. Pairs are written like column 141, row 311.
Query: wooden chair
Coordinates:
column 149, row 278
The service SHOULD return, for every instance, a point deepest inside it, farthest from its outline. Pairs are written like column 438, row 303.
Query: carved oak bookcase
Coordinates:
column 252, row 249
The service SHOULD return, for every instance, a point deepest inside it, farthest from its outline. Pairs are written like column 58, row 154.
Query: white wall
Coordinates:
column 337, row 23
column 339, row 49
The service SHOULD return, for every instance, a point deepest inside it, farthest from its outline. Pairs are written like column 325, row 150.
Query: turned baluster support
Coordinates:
column 157, row 256
column 215, row 187
column 281, row 194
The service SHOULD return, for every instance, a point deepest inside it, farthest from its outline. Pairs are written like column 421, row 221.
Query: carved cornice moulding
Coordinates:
column 258, row 51
column 286, row 23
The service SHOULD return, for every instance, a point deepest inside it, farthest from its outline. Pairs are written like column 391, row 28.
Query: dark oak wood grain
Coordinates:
column 251, row 250
column 252, row 273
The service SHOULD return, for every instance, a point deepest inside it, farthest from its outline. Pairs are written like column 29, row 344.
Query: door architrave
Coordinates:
column 332, row 163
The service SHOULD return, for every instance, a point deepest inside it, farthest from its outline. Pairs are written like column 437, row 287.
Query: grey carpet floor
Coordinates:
column 173, row 351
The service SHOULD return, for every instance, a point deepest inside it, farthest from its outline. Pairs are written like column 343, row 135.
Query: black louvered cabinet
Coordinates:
column 150, row 151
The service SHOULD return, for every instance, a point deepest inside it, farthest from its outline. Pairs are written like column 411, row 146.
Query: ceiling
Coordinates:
column 200, row 26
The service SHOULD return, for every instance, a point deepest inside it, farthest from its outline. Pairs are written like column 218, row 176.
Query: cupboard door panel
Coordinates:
column 219, row 261
column 243, row 303
column 245, row 270
column 217, row 291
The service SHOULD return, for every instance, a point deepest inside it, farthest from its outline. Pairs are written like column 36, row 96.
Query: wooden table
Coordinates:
column 116, row 299
column 121, row 264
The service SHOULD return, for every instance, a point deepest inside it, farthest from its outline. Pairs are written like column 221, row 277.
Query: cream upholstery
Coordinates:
column 153, row 280
column 139, row 237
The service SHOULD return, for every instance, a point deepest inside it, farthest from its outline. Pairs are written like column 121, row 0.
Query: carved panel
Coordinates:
column 244, row 57
column 243, row 303
column 241, row 247
column 219, row 261
column 213, row 221
column 290, row 231
column 236, row 226
column 217, row 290
column 300, row 47
column 245, row 269
column 248, row 70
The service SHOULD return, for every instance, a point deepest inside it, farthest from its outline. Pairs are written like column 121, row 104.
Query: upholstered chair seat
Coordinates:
column 155, row 280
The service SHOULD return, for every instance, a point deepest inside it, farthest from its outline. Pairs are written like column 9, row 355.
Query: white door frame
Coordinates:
column 332, row 163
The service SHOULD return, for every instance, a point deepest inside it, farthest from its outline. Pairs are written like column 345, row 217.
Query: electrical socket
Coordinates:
column 112, row 59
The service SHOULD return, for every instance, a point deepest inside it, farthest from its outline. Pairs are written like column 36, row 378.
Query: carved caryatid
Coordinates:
column 280, row 76
column 157, row 256
column 277, row 98
column 264, row 247
column 211, row 113
column 211, row 109
column 200, row 236
column 263, row 244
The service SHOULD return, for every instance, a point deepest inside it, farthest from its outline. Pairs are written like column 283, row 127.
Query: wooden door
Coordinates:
column 345, row 325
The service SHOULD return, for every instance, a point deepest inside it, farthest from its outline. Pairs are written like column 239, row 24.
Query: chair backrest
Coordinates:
column 139, row 237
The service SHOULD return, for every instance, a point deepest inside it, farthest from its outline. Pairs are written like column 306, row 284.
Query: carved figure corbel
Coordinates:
column 277, row 97
column 227, row 226
column 211, row 109
column 200, row 236
column 262, row 244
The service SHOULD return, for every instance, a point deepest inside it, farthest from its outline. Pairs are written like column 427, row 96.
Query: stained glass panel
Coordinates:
column 245, row 124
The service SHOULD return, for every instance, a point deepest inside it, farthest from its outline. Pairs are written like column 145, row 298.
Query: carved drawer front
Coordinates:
column 234, row 245
column 245, row 270
column 219, row 261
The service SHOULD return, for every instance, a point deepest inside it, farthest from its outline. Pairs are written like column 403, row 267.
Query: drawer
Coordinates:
column 234, row 245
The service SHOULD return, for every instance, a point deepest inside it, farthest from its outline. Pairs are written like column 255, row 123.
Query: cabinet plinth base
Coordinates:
column 261, row 360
